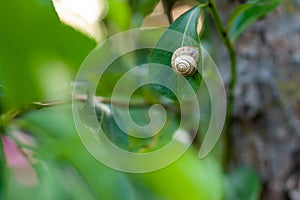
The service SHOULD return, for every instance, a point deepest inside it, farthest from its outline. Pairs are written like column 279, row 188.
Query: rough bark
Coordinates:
column 266, row 130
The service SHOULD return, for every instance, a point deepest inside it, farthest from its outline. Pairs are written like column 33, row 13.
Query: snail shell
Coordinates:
column 185, row 60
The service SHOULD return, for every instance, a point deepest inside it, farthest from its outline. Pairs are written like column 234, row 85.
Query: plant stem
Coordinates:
column 232, row 55
column 15, row 113
column 204, row 5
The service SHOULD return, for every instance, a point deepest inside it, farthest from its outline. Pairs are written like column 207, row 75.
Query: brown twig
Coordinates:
column 15, row 113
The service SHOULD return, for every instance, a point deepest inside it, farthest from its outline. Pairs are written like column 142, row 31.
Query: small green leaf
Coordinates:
column 182, row 32
column 112, row 130
column 119, row 14
column 242, row 183
column 107, row 122
column 144, row 7
column 141, row 117
column 244, row 15
column 141, row 9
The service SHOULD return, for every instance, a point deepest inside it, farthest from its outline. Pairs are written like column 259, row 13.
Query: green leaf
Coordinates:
column 118, row 68
column 242, row 183
column 244, row 15
column 162, row 138
column 38, row 54
column 187, row 178
column 112, row 130
column 119, row 15
column 144, row 7
column 58, row 145
column 107, row 122
column 141, row 9
column 182, row 32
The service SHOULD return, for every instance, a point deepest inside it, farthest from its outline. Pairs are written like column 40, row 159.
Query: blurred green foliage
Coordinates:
column 242, row 183
column 39, row 58
column 36, row 48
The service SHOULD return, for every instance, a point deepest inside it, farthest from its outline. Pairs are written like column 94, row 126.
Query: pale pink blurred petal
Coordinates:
column 16, row 161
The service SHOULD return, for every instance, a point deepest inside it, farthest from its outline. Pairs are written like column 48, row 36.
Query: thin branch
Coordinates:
column 6, row 118
column 232, row 55
column 143, row 104
column 204, row 5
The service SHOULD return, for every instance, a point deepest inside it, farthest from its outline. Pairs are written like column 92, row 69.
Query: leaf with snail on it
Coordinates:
column 182, row 32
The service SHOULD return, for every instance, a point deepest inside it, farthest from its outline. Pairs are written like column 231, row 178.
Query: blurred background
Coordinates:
column 44, row 42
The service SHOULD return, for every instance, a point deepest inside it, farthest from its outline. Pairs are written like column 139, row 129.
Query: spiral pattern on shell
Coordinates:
column 185, row 60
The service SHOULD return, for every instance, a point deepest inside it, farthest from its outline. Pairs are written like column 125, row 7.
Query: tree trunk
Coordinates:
column 266, row 130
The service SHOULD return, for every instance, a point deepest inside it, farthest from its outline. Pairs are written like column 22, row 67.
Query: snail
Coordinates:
column 185, row 60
